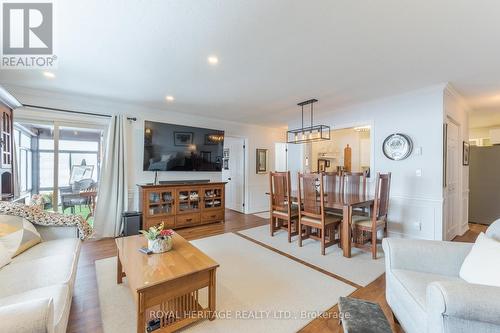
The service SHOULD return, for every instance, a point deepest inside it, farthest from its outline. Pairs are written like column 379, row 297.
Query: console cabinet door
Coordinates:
column 213, row 197
column 160, row 203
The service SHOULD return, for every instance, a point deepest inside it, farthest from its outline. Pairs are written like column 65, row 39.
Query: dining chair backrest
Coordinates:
column 382, row 193
column 353, row 183
column 310, row 196
column 279, row 183
column 332, row 182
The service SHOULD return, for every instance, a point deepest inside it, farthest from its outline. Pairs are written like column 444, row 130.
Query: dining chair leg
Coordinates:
column 300, row 234
column 323, row 231
column 374, row 244
column 271, row 225
column 289, row 230
column 340, row 235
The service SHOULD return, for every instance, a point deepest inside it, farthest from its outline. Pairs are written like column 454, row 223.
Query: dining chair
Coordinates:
column 353, row 183
column 365, row 228
column 318, row 225
column 283, row 214
column 332, row 185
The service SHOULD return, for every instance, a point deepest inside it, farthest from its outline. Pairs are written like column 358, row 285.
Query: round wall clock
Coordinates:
column 397, row 146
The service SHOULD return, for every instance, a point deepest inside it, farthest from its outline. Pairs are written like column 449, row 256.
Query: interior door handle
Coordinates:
column 229, row 179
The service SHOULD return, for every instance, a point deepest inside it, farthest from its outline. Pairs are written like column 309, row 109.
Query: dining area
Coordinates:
column 333, row 208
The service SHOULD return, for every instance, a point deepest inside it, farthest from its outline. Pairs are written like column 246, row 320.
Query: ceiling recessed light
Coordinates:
column 213, row 60
column 169, row 98
column 49, row 75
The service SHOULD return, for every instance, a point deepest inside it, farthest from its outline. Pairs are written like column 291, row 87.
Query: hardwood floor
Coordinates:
column 85, row 313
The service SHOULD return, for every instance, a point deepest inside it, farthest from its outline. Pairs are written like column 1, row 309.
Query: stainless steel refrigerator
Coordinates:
column 484, row 184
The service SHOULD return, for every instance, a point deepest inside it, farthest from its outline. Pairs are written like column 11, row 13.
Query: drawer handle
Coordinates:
column 212, row 216
column 189, row 220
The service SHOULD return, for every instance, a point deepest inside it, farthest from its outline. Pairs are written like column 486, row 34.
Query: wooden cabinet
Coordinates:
column 182, row 205
column 6, row 153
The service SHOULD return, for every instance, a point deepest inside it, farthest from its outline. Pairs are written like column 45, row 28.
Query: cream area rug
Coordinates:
column 263, row 215
column 360, row 268
column 258, row 290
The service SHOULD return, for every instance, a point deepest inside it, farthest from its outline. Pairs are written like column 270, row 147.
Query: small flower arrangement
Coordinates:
column 159, row 238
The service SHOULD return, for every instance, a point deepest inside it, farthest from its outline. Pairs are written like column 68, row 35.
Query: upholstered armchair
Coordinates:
column 426, row 294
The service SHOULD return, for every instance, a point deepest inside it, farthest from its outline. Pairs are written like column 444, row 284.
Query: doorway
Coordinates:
column 58, row 165
column 233, row 172
column 280, row 156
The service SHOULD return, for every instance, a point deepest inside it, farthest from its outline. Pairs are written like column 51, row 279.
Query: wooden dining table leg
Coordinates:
column 346, row 230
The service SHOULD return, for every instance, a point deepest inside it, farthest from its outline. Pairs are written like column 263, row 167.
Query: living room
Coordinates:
column 257, row 166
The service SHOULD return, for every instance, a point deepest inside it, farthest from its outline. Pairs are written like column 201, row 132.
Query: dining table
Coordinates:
column 345, row 202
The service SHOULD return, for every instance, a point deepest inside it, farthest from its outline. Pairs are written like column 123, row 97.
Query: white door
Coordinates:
column 453, row 165
column 281, row 156
column 235, row 175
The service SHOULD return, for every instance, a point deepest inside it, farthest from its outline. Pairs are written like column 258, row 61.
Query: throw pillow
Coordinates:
column 480, row 266
column 493, row 230
column 4, row 256
column 17, row 234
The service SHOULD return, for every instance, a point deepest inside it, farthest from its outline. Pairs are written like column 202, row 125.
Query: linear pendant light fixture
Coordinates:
column 311, row 133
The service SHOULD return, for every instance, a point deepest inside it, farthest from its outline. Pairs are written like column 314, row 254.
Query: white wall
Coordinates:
column 416, row 202
column 257, row 137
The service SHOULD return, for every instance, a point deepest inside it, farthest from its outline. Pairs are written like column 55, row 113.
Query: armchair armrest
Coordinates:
column 35, row 316
column 463, row 301
column 436, row 257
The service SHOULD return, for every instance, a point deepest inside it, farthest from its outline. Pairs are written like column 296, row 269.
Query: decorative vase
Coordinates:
column 160, row 245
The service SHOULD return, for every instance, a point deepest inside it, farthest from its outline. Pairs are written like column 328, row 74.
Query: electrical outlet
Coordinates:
column 418, row 172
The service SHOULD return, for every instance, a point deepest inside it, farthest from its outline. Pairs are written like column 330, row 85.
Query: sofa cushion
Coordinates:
column 50, row 248
column 61, row 298
column 32, row 274
column 4, row 256
column 493, row 230
column 17, row 234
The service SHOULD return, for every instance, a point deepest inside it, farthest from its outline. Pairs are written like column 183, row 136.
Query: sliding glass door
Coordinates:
column 58, row 165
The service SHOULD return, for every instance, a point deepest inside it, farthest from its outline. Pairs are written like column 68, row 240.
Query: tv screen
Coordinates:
column 169, row 147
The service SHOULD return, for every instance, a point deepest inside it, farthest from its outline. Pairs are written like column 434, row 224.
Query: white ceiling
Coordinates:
column 272, row 54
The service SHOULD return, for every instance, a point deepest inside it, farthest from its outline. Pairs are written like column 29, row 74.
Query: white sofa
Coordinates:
column 36, row 288
column 426, row 294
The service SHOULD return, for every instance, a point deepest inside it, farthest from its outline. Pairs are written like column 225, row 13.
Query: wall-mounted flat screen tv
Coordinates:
column 169, row 147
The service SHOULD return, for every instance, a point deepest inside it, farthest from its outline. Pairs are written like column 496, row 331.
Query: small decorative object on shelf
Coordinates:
column 159, row 238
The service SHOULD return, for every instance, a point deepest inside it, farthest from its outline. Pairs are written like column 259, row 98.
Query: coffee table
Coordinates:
column 166, row 286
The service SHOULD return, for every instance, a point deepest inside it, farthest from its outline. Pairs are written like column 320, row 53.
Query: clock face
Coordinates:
column 397, row 146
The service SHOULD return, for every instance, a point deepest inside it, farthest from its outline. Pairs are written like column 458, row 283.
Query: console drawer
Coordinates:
column 187, row 220
column 215, row 215
column 169, row 222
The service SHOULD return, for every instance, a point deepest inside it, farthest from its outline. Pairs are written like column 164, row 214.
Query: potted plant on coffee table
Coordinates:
column 159, row 239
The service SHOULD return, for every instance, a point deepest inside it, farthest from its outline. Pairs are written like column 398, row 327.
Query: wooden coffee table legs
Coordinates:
column 119, row 271
column 211, row 295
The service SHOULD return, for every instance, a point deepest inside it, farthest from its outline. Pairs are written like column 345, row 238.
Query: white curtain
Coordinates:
column 113, row 189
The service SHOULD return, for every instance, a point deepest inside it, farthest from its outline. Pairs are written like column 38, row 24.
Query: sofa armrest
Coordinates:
column 436, row 257
column 463, row 301
column 36, row 316
column 49, row 233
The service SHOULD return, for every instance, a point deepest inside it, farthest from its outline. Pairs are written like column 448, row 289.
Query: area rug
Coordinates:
column 360, row 268
column 263, row 215
column 258, row 290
